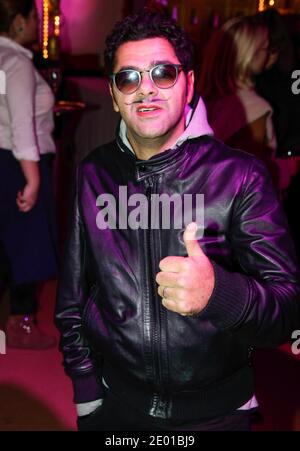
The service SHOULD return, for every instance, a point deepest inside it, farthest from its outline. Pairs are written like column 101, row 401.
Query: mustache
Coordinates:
column 148, row 100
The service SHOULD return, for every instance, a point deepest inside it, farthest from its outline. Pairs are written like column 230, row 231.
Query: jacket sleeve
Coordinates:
column 74, row 290
column 262, row 297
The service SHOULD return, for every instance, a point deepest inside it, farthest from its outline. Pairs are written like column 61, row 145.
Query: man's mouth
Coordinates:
column 144, row 109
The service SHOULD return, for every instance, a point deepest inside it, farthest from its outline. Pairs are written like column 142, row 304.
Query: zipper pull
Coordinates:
column 149, row 188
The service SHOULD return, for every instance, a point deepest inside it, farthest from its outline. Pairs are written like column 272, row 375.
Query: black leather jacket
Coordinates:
column 111, row 318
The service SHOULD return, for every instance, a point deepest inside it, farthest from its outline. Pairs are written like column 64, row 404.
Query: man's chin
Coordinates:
column 151, row 133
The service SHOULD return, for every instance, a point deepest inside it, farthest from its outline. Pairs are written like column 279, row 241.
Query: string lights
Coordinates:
column 45, row 29
column 56, row 25
column 262, row 4
column 51, row 29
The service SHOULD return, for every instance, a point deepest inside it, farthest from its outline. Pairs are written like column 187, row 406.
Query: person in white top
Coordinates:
column 27, row 211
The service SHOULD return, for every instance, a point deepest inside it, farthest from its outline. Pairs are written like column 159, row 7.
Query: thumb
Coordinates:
column 192, row 246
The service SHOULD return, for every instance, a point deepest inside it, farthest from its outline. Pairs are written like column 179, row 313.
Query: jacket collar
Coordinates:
column 9, row 43
column 196, row 126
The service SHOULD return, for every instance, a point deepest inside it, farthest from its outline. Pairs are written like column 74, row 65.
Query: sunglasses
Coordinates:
column 164, row 76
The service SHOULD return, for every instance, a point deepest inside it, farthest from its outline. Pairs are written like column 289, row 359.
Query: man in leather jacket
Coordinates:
column 178, row 262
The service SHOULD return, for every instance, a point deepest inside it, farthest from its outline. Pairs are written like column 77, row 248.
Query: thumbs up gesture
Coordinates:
column 186, row 283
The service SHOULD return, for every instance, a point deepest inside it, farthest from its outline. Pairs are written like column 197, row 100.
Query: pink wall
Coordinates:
column 86, row 23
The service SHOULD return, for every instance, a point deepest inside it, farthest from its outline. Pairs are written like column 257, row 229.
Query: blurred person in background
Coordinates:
column 27, row 211
column 274, row 83
column 238, row 115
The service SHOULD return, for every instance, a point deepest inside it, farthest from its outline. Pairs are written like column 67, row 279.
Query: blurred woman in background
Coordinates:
column 27, row 213
column 238, row 116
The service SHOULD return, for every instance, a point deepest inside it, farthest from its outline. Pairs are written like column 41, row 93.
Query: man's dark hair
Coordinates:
column 144, row 25
column 9, row 9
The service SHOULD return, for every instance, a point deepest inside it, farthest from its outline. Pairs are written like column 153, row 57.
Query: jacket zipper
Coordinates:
column 157, row 401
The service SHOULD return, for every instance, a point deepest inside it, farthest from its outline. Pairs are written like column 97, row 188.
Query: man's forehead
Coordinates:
column 137, row 53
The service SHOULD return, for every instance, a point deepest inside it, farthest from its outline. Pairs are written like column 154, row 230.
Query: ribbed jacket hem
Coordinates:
column 86, row 388
column 220, row 398
column 229, row 299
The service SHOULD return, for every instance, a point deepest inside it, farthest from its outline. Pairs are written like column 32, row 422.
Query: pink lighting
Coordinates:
column 84, row 24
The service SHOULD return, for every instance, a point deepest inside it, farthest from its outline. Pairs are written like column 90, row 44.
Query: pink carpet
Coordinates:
column 35, row 394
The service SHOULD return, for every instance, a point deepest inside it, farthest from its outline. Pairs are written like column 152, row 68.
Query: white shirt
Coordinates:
column 26, row 108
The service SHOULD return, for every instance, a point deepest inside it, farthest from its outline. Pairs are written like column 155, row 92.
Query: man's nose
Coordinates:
column 147, row 86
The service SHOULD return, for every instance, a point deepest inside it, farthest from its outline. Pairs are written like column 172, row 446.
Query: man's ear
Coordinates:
column 115, row 104
column 190, row 86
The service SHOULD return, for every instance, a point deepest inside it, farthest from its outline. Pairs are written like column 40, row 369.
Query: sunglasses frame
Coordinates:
column 178, row 69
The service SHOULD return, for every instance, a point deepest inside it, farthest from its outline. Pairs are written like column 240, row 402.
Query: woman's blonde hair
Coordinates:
column 228, row 57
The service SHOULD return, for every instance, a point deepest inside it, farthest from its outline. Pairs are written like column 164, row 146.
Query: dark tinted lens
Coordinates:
column 127, row 81
column 164, row 76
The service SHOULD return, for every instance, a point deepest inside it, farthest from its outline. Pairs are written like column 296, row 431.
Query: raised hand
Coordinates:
column 186, row 283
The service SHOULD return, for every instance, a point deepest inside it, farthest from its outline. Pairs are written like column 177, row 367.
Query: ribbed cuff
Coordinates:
column 87, row 388
column 229, row 298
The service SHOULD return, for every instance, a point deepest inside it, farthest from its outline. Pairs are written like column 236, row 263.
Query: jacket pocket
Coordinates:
column 89, row 306
column 94, row 328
